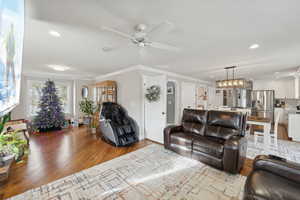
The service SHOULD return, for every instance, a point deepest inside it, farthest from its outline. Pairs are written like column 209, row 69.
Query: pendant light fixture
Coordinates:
column 233, row 82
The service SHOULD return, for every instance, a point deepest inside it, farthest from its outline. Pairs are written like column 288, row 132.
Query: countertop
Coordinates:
column 294, row 112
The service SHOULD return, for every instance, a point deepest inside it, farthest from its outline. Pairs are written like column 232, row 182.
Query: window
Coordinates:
column 35, row 91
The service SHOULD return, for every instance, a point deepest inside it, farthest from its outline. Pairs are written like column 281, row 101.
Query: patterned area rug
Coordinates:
column 286, row 149
column 151, row 173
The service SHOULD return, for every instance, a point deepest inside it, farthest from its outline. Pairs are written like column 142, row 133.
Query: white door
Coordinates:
column 188, row 95
column 155, row 112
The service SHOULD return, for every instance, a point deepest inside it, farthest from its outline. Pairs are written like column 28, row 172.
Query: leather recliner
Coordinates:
column 212, row 137
column 116, row 126
column 273, row 178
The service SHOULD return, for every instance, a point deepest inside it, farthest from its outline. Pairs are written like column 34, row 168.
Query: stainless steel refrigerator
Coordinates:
column 237, row 98
column 263, row 103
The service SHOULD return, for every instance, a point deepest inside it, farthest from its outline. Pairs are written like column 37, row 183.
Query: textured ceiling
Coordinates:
column 213, row 34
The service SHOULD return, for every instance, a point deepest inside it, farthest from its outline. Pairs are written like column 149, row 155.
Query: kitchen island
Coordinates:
column 294, row 126
column 229, row 109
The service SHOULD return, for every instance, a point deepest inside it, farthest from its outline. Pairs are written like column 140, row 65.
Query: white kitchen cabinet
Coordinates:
column 294, row 126
column 285, row 117
column 284, row 88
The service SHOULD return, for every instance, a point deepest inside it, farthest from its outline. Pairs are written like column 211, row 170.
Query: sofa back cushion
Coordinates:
column 224, row 124
column 194, row 121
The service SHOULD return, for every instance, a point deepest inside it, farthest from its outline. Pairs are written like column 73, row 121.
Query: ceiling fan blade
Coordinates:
column 159, row 26
column 163, row 46
column 113, row 48
column 108, row 49
column 105, row 28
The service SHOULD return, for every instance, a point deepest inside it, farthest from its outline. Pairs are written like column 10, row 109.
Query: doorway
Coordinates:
column 171, row 102
column 155, row 111
column 188, row 95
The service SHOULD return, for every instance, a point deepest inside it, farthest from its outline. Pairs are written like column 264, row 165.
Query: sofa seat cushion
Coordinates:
column 263, row 185
column 182, row 139
column 211, row 146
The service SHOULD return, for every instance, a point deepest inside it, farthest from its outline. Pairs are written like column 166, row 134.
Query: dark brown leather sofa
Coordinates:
column 273, row 179
column 213, row 137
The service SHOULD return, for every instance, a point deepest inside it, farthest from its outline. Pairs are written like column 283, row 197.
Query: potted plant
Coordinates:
column 90, row 110
column 87, row 107
column 12, row 146
column 3, row 121
column 94, row 125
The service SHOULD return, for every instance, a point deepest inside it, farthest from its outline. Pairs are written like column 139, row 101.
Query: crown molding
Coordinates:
column 108, row 75
column 122, row 71
column 150, row 69
column 56, row 76
column 172, row 74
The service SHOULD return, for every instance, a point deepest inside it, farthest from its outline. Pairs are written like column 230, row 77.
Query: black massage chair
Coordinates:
column 116, row 126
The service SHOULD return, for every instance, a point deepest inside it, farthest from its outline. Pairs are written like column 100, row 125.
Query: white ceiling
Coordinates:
column 213, row 34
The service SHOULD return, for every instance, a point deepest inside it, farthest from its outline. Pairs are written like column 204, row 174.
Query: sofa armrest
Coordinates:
column 168, row 131
column 281, row 167
column 234, row 156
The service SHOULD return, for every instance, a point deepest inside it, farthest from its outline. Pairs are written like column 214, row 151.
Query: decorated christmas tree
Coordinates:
column 50, row 115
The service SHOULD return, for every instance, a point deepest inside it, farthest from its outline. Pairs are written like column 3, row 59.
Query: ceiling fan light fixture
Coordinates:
column 141, row 27
column 141, row 44
column 140, row 37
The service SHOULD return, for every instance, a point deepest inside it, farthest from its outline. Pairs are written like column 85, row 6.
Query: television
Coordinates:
column 11, row 53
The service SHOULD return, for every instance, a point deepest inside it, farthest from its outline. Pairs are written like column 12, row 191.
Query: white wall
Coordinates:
column 20, row 111
column 130, row 90
column 284, row 88
column 78, row 84
column 179, row 82
column 129, row 94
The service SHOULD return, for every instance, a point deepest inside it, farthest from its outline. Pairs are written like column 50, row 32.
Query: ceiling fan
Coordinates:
column 140, row 37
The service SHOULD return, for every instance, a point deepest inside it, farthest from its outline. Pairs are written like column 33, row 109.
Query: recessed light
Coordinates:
column 254, row 46
column 54, row 33
column 59, row 67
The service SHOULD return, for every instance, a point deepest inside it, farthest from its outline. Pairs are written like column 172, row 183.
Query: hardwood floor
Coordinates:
column 58, row 154
column 282, row 131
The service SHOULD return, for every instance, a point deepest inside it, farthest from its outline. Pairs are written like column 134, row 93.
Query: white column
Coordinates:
column 297, row 86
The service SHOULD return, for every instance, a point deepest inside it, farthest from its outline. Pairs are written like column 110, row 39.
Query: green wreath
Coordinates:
column 153, row 93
